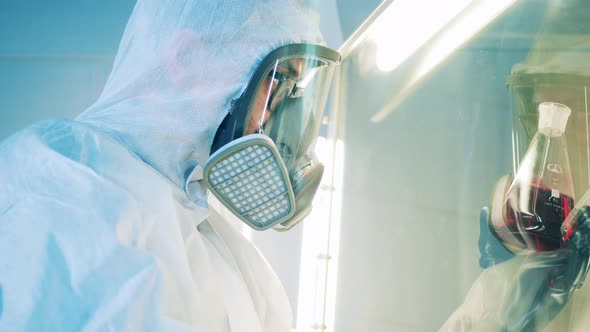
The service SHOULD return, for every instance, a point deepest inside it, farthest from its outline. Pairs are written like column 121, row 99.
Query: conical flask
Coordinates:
column 541, row 195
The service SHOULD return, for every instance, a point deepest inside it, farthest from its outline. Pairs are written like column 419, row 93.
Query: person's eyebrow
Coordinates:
column 290, row 68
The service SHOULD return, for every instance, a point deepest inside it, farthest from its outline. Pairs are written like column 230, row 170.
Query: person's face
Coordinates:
column 263, row 105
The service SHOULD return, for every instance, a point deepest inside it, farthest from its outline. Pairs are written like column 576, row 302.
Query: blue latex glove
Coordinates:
column 544, row 284
column 544, row 281
column 491, row 251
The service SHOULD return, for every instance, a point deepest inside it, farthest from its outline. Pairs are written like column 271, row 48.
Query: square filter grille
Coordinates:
column 250, row 179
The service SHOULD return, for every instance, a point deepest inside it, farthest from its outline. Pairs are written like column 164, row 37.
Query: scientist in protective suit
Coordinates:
column 104, row 222
column 524, row 287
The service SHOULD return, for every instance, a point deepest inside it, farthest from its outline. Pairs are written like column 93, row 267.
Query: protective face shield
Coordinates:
column 528, row 90
column 262, row 165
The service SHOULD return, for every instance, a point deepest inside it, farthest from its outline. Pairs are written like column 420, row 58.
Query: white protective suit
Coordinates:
column 104, row 224
column 487, row 305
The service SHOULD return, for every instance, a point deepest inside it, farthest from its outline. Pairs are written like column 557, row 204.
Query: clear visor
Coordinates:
column 288, row 106
column 528, row 91
column 262, row 165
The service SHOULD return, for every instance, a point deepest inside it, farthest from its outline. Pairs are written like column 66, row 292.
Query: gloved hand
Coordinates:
column 544, row 282
column 527, row 290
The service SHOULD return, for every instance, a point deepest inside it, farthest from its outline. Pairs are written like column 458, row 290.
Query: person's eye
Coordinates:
column 279, row 76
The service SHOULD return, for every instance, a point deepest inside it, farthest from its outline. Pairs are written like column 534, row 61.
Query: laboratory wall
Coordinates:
column 55, row 57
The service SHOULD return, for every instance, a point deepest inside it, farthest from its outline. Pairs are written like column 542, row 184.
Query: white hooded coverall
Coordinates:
column 104, row 224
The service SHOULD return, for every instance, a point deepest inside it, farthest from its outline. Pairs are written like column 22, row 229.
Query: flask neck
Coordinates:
column 551, row 132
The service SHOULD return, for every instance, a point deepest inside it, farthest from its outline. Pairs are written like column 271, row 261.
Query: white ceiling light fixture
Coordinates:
column 406, row 25
column 472, row 19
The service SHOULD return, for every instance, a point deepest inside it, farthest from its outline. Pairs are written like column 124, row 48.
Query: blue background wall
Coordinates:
column 55, row 56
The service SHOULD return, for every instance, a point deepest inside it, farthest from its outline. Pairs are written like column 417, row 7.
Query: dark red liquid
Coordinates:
column 539, row 227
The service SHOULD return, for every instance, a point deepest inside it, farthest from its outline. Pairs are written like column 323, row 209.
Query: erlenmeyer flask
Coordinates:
column 541, row 195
